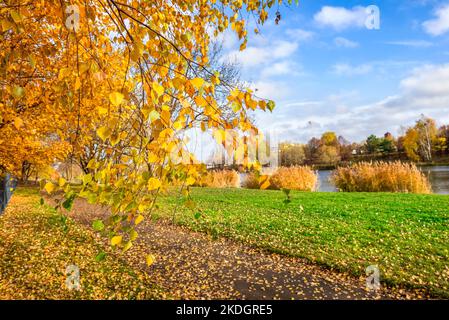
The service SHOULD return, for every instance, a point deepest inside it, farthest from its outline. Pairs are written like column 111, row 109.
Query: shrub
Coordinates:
column 300, row 178
column 221, row 179
column 381, row 177
column 251, row 181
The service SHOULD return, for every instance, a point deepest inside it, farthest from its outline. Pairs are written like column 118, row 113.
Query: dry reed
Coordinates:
column 381, row 177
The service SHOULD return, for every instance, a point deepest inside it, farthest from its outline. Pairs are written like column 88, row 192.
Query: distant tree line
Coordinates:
column 422, row 142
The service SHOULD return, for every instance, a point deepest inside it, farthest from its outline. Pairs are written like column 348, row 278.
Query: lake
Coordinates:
column 438, row 176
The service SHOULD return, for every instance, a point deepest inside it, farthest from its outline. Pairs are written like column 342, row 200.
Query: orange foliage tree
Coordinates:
column 123, row 78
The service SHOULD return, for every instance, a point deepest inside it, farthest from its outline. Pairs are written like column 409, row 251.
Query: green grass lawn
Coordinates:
column 406, row 235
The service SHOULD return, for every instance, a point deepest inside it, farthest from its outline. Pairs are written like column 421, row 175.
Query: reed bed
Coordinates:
column 221, row 179
column 301, row 178
column 381, row 177
column 251, row 181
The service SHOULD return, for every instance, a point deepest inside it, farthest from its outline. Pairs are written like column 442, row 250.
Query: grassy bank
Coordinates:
column 36, row 246
column 406, row 235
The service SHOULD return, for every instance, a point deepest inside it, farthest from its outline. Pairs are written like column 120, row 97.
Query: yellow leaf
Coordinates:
column 152, row 158
column 158, row 88
column 116, row 98
column 18, row 92
column 265, row 185
column 197, row 82
column 264, row 182
column 137, row 51
column 18, row 123
column 87, row 178
column 115, row 139
column 77, row 83
column 17, row 17
column 154, row 115
column 165, row 115
column 61, row 182
column 256, row 166
column 91, row 164
column 177, row 125
column 32, row 60
column 116, row 240
column 49, row 187
column 150, row 259
column 190, row 181
column 139, row 219
column 142, row 207
column 104, row 133
column 200, row 101
column 6, row 25
column 219, row 135
column 127, row 246
column 153, row 184
column 243, row 46
column 133, row 235
column 102, row 111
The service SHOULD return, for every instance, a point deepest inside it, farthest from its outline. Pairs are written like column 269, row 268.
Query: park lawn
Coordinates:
column 36, row 246
column 406, row 235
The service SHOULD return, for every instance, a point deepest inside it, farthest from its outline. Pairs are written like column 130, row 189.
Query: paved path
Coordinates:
column 191, row 265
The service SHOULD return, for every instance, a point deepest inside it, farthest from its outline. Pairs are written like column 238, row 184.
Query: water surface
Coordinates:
column 438, row 177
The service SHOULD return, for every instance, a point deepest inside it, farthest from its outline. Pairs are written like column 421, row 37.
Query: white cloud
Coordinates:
column 412, row 43
column 273, row 90
column 440, row 24
column 424, row 91
column 346, row 43
column 300, row 34
column 255, row 56
column 283, row 67
column 428, row 81
column 341, row 18
column 345, row 69
column 228, row 39
column 380, row 67
column 283, row 49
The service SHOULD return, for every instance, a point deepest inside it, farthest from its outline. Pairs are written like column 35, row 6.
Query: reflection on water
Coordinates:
column 438, row 176
column 324, row 185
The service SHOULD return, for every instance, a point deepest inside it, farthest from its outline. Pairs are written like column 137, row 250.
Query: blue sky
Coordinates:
column 327, row 71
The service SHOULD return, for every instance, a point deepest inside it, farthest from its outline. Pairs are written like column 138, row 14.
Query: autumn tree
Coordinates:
column 427, row 131
column 29, row 64
column 311, row 150
column 330, row 139
column 325, row 150
column 410, row 144
column 328, row 155
column 442, row 139
column 419, row 141
column 291, row 154
column 124, row 77
column 329, row 150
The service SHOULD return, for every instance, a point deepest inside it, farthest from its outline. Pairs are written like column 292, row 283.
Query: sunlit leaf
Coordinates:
column 49, row 187
column 150, row 259
column 116, row 98
column 116, row 240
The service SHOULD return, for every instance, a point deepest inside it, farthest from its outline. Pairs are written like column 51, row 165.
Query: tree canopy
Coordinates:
column 123, row 78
